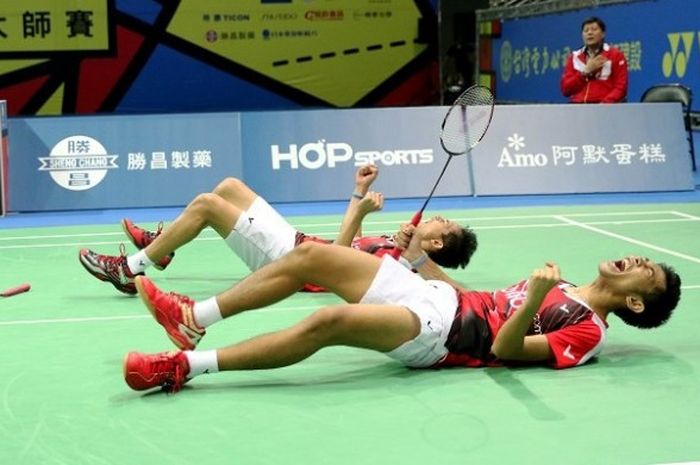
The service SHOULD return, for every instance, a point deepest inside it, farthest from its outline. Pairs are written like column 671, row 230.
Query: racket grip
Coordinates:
column 416, row 218
column 15, row 290
column 396, row 253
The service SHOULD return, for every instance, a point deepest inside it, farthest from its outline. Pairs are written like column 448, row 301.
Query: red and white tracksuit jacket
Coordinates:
column 607, row 85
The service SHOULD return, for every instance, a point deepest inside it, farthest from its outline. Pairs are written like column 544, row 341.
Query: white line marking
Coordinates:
column 629, row 239
column 686, row 215
column 58, row 236
column 394, row 222
column 334, row 233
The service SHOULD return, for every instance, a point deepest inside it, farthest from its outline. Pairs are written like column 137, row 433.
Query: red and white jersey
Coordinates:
column 574, row 332
column 375, row 245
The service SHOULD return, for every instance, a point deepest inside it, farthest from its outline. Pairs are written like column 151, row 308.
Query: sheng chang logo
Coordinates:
column 78, row 163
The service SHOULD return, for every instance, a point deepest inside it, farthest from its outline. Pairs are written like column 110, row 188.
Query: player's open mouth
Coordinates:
column 620, row 265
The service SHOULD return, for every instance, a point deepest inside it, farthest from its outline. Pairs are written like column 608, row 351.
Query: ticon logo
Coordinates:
column 320, row 154
column 78, row 163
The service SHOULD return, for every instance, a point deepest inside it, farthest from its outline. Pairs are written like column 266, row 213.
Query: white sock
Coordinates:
column 138, row 262
column 207, row 312
column 201, row 362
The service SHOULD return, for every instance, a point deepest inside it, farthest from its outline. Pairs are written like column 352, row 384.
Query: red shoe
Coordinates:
column 141, row 238
column 109, row 268
column 173, row 312
column 145, row 371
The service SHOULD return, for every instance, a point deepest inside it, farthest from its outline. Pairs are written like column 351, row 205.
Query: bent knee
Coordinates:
column 326, row 325
column 229, row 186
column 308, row 250
column 205, row 202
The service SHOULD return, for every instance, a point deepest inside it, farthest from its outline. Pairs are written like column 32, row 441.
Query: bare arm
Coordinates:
column 511, row 342
column 351, row 226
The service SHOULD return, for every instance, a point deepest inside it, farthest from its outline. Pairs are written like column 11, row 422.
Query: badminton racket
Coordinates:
column 463, row 127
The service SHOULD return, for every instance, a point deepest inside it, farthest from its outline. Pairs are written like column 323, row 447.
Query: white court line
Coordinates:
column 393, row 222
column 59, row 236
column 334, row 233
column 686, row 215
column 629, row 239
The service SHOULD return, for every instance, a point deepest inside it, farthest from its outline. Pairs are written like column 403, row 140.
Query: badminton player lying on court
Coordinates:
column 248, row 223
column 418, row 322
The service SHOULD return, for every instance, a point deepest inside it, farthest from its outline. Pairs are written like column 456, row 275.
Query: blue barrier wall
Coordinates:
column 312, row 155
column 661, row 40
column 535, row 149
column 74, row 163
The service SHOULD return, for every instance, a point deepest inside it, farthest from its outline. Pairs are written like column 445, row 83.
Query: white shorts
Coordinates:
column 261, row 235
column 433, row 302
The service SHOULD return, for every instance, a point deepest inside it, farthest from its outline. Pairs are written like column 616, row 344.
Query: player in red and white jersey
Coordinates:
column 258, row 234
column 418, row 322
column 574, row 332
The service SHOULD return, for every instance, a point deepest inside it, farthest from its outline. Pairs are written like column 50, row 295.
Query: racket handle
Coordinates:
column 15, row 290
column 416, row 218
column 396, row 253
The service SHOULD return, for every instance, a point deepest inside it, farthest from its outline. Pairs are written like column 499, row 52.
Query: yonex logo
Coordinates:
column 676, row 59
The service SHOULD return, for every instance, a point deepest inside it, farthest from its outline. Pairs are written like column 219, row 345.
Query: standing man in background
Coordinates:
column 597, row 72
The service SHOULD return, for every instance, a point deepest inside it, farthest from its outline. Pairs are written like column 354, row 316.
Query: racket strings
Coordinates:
column 466, row 122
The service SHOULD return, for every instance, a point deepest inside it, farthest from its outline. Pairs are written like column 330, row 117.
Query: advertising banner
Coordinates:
column 73, row 163
column 312, row 155
column 45, row 27
column 119, row 161
column 336, row 51
column 554, row 149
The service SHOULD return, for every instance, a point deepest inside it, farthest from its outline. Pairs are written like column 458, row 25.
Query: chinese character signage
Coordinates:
column 31, row 28
column 166, row 160
column 554, row 149
column 114, row 162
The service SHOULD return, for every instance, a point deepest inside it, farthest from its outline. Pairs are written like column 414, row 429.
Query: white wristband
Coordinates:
column 419, row 261
column 356, row 195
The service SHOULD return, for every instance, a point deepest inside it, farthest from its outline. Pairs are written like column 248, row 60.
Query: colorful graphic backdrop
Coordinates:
column 155, row 56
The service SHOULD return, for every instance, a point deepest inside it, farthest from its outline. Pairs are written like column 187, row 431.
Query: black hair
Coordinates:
column 658, row 305
column 593, row 19
column 457, row 249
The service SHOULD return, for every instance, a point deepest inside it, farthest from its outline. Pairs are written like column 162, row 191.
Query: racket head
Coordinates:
column 467, row 120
